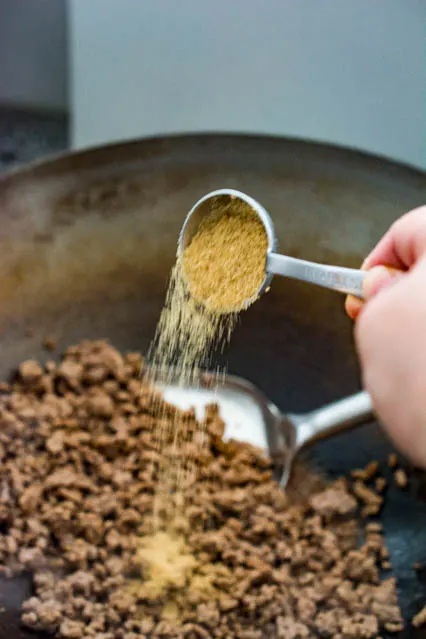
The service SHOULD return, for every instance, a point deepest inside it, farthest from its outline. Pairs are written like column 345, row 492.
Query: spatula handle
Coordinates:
column 334, row 418
column 338, row 278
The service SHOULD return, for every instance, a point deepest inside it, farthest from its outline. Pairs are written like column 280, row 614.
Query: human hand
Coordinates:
column 390, row 332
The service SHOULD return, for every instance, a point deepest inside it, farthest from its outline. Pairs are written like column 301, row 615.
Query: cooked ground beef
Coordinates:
column 79, row 444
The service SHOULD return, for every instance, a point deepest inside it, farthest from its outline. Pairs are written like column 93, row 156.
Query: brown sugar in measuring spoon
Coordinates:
column 219, row 208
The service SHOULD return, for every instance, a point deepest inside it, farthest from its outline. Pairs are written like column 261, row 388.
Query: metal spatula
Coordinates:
column 249, row 416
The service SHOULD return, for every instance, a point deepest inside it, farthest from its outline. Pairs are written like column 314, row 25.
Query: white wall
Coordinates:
column 33, row 55
column 346, row 71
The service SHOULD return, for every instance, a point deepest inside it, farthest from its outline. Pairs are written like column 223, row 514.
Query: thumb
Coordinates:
column 378, row 278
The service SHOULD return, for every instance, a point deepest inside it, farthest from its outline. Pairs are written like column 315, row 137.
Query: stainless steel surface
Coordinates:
column 344, row 280
column 331, row 419
column 336, row 278
column 344, row 414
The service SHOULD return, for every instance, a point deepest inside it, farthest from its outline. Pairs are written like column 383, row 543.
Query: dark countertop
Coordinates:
column 28, row 135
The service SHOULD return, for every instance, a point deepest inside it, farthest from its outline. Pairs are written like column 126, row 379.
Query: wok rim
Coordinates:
column 56, row 159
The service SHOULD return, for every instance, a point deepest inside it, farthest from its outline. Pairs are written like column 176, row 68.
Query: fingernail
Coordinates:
column 378, row 278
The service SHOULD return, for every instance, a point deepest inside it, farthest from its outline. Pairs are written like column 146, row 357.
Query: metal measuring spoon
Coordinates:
column 338, row 278
column 251, row 417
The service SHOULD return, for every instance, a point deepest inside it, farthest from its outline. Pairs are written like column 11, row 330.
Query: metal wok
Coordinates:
column 87, row 241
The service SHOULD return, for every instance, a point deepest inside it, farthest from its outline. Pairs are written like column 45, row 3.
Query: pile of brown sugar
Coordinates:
column 224, row 265
column 79, row 466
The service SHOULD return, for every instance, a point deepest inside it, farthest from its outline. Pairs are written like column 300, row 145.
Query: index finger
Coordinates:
column 404, row 244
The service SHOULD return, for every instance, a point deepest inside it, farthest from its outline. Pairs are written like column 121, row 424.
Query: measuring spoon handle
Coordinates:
column 337, row 278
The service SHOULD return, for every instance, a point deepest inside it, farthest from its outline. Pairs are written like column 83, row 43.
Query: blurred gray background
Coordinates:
column 34, row 80
column 81, row 72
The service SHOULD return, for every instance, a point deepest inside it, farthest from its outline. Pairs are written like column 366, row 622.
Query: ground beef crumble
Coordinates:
column 79, row 446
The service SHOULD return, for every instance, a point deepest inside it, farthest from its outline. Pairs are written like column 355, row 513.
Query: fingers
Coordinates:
column 353, row 306
column 390, row 335
column 377, row 279
column 404, row 244
column 391, row 344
